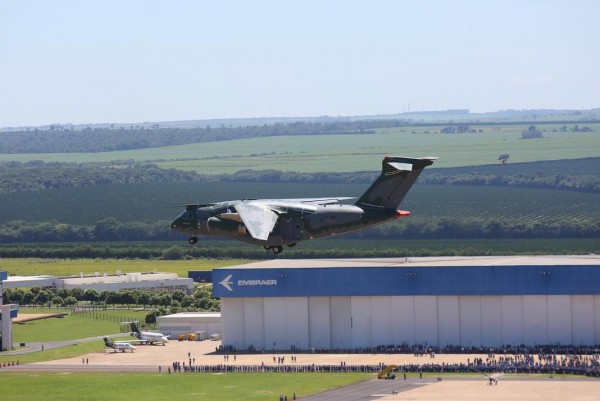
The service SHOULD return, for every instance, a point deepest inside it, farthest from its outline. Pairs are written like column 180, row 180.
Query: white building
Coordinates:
column 190, row 322
column 155, row 282
column 29, row 281
column 348, row 304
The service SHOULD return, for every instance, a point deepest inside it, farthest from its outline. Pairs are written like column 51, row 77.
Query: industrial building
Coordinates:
column 154, row 282
column 190, row 322
column 362, row 303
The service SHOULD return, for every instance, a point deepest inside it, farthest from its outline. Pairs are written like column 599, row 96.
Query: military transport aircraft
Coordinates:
column 273, row 223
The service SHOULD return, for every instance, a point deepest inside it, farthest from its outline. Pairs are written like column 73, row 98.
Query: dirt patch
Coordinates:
column 23, row 318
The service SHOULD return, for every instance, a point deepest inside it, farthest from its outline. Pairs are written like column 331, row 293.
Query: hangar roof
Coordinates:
column 28, row 281
column 443, row 261
column 191, row 317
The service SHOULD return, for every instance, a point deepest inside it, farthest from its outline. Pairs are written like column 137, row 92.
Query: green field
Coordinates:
column 67, row 267
column 357, row 152
column 501, row 204
column 132, row 386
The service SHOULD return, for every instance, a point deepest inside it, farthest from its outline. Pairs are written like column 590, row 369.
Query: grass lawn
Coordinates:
column 72, row 327
column 54, row 354
column 128, row 386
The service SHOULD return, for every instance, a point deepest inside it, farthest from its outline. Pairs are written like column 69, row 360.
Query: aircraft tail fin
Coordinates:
column 134, row 327
column 398, row 174
column 107, row 342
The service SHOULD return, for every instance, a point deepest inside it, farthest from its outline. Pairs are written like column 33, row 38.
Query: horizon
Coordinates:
column 299, row 118
column 134, row 61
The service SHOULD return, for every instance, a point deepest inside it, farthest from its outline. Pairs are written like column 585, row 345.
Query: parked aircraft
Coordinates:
column 145, row 337
column 118, row 345
column 273, row 223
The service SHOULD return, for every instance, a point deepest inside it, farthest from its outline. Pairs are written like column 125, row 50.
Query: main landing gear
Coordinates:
column 276, row 249
column 193, row 240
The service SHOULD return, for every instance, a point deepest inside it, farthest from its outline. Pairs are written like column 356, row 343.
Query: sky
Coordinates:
column 107, row 61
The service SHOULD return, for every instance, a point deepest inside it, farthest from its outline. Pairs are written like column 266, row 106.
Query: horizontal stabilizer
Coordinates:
column 402, row 166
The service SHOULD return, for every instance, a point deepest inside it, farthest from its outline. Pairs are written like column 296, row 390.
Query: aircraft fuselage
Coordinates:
column 299, row 222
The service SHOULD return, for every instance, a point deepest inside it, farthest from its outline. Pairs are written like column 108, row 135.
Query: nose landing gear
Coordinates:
column 193, row 240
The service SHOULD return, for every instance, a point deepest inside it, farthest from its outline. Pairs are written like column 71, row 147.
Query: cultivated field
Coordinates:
column 356, row 152
column 157, row 202
column 67, row 267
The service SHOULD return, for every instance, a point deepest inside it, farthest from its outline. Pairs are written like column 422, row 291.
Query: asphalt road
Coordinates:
column 367, row 390
column 41, row 346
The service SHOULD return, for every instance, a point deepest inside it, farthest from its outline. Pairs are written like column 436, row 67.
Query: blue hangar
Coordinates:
column 361, row 303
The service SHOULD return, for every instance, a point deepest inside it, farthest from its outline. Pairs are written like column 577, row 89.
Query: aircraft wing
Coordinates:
column 312, row 201
column 258, row 219
column 324, row 201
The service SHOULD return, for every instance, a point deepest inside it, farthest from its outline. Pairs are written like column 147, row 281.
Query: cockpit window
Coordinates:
column 187, row 215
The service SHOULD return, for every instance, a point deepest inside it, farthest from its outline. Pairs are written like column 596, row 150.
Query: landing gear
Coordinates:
column 275, row 249
column 193, row 240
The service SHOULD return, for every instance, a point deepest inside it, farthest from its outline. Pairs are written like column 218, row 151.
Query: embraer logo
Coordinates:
column 257, row 282
column 227, row 283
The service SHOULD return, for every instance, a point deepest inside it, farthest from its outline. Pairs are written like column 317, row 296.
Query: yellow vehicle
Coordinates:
column 187, row 337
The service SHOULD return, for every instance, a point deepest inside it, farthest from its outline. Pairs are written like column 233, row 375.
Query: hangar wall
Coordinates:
column 282, row 323
column 349, row 304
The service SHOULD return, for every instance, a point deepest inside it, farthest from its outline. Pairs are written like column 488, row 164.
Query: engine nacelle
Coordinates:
column 216, row 226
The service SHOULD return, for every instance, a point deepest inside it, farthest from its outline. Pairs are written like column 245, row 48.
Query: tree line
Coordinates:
column 178, row 301
column 111, row 229
column 38, row 175
column 109, row 140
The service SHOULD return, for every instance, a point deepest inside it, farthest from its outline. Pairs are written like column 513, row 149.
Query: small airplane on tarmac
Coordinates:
column 273, row 223
column 145, row 337
column 118, row 345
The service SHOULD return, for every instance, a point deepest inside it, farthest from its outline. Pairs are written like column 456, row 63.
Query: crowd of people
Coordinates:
column 508, row 359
